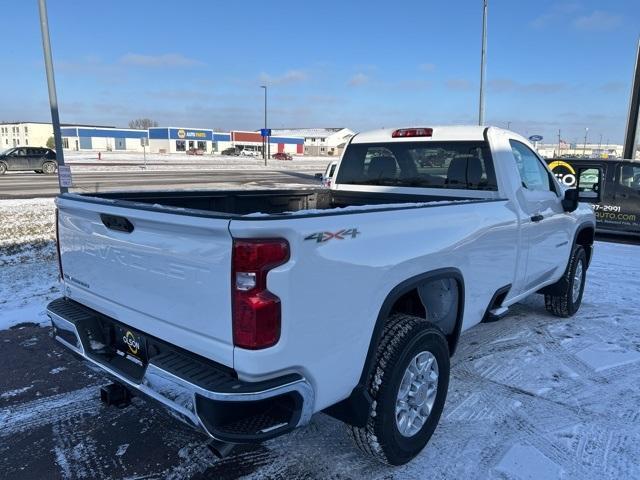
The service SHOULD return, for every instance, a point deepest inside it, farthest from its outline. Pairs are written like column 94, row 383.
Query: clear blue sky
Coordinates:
column 365, row 64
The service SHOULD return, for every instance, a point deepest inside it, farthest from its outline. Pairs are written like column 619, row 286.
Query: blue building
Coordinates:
column 102, row 138
column 176, row 139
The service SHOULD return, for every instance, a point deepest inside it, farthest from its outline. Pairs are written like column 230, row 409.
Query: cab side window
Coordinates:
column 630, row 177
column 533, row 174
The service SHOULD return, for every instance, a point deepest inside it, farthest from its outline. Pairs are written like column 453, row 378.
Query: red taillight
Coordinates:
column 412, row 132
column 256, row 311
column 58, row 246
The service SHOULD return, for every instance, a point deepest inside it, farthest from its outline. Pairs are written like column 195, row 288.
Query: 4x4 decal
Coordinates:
column 339, row 235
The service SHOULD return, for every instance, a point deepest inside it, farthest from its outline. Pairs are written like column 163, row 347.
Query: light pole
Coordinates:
column 483, row 61
column 265, row 138
column 584, row 147
column 53, row 97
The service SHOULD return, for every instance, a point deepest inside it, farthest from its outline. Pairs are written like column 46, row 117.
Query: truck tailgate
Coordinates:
column 169, row 277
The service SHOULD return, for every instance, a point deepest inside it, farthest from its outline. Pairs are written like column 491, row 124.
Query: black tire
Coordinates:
column 403, row 338
column 3, row 168
column 49, row 168
column 559, row 299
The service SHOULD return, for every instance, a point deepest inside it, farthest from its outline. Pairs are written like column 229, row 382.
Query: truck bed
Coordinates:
column 238, row 203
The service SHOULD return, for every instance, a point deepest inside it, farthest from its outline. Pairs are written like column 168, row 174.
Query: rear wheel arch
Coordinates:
column 407, row 297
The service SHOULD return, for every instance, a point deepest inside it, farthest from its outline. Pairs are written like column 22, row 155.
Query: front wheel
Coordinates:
column 565, row 296
column 3, row 168
column 49, row 168
column 408, row 387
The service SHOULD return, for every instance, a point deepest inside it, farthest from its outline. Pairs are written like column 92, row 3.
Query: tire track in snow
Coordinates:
column 49, row 410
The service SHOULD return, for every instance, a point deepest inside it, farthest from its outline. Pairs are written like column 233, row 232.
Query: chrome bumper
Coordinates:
column 179, row 395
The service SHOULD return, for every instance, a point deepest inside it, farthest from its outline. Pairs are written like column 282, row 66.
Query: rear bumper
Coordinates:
column 207, row 396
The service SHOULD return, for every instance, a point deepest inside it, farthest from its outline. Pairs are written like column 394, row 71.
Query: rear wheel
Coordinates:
column 49, row 168
column 3, row 168
column 408, row 387
column 565, row 296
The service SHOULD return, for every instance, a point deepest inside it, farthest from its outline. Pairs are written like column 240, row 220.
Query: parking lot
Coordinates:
column 530, row 393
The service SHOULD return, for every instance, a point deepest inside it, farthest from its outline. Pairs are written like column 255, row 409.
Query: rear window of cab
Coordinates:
column 455, row 165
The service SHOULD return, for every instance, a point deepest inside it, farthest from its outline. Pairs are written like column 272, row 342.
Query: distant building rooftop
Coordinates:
column 62, row 124
column 305, row 132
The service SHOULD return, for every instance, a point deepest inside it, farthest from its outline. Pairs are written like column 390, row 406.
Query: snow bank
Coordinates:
column 128, row 162
column 28, row 267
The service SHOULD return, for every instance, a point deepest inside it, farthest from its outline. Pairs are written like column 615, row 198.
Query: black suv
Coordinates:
column 230, row 151
column 38, row 159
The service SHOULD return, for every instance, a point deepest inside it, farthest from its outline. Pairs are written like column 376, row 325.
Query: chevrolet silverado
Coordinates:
column 212, row 302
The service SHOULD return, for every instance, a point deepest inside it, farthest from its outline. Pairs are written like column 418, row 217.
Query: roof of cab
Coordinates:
column 440, row 133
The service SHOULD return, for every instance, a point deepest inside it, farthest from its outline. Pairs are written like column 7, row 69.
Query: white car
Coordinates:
column 247, row 152
column 212, row 303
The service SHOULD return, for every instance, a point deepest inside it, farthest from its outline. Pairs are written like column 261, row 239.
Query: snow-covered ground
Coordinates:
column 127, row 161
column 28, row 266
column 531, row 396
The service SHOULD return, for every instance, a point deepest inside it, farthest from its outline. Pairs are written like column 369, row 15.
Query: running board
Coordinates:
column 496, row 314
column 495, row 311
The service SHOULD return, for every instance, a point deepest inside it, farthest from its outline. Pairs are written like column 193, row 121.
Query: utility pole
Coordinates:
column 483, row 61
column 559, row 140
column 53, row 97
column 265, row 144
column 633, row 120
column 600, row 146
column 508, row 125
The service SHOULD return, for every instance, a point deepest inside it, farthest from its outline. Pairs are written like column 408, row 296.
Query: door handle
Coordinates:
column 537, row 218
column 114, row 222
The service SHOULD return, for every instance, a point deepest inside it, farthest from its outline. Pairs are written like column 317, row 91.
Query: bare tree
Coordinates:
column 142, row 123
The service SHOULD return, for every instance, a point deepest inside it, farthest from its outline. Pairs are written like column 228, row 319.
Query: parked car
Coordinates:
column 612, row 186
column 214, row 304
column 230, row 151
column 281, row 156
column 249, row 152
column 38, row 159
column 195, row 151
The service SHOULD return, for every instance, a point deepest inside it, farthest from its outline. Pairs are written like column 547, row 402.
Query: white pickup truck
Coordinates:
column 213, row 302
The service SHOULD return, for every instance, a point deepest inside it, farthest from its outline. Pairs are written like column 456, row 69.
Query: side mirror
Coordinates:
column 318, row 176
column 570, row 200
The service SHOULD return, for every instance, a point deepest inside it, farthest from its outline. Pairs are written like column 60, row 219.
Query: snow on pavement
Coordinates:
column 531, row 396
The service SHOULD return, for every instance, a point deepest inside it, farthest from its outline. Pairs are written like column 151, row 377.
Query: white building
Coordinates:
column 318, row 141
column 33, row 134
column 106, row 139
column 278, row 143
